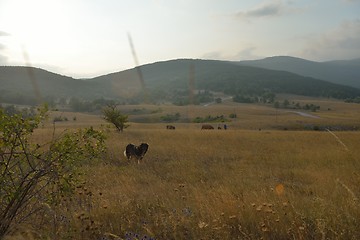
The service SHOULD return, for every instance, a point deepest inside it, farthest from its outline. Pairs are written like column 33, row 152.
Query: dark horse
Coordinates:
column 136, row 151
column 207, row 126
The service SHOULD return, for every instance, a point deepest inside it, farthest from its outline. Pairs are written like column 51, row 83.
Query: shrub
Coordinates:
column 115, row 117
column 170, row 117
column 33, row 177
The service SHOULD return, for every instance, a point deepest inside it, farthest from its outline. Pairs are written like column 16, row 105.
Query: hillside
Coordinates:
column 18, row 81
column 344, row 72
column 169, row 81
column 226, row 77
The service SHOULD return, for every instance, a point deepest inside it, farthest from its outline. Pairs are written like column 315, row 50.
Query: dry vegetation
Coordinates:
column 236, row 184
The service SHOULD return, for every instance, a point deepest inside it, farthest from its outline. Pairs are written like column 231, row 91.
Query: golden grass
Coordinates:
column 235, row 184
column 225, row 185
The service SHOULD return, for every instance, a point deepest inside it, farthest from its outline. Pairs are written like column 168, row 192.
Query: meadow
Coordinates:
column 266, row 177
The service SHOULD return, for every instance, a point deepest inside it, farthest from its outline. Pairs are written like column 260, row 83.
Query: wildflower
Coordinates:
column 279, row 189
column 202, row 224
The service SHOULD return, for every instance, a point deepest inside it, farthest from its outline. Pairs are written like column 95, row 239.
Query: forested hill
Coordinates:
column 344, row 72
column 168, row 80
column 227, row 77
column 24, row 81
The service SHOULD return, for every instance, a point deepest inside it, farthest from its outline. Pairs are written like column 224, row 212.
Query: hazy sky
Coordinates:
column 86, row 38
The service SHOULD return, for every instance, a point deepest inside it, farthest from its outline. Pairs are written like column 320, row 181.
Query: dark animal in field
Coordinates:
column 170, row 127
column 138, row 152
column 207, row 126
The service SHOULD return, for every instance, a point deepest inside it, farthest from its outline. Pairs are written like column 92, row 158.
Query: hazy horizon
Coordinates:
column 84, row 39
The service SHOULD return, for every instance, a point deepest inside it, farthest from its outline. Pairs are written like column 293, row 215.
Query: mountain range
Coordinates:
column 169, row 79
column 345, row 72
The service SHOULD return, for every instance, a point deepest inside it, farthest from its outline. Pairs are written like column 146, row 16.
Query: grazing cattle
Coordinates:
column 170, row 127
column 137, row 152
column 207, row 126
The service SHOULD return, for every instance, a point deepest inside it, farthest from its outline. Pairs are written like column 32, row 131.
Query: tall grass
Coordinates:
column 233, row 184
column 195, row 184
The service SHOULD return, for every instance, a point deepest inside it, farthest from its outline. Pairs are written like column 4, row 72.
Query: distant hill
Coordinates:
column 18, row 80
column 344, row 72
column 169, row 80
column 226, row 77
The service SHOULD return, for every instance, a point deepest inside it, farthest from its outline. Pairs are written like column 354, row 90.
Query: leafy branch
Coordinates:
column 33, row 175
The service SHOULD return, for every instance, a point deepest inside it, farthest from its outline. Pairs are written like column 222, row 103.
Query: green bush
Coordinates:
column 115, row 117
column 34, row 176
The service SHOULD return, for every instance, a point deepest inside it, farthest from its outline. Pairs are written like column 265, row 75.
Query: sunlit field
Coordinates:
column 266, row 177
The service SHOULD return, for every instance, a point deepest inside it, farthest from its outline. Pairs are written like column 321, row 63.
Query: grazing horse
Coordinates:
column 137, row 152
column 170, row 127
column 207, row 126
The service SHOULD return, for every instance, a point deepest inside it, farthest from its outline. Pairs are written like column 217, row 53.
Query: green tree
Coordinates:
column 218, row 100
column 34, row 176
column 276, row 104
column 80, row 105
column 268, row 97
column 242, row 99
column 286, row 103
column 232, row 115
column 170, row 117
column 115, row 117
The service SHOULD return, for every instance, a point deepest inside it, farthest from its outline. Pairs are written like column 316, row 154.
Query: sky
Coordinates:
column 88, row 38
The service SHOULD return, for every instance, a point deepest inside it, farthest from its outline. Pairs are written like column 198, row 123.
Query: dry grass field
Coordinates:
column 241, row 183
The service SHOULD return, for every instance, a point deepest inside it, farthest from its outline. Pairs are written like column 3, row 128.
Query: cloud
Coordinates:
column 351, row 1
column 3, row 59
column 342, row 42
column 271, row 8
column 244, row 54
column 213, row 55
column 247, row 54
column 4, row 34
column 266, row 9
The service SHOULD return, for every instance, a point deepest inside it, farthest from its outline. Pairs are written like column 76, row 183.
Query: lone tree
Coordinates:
column 115, row 117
